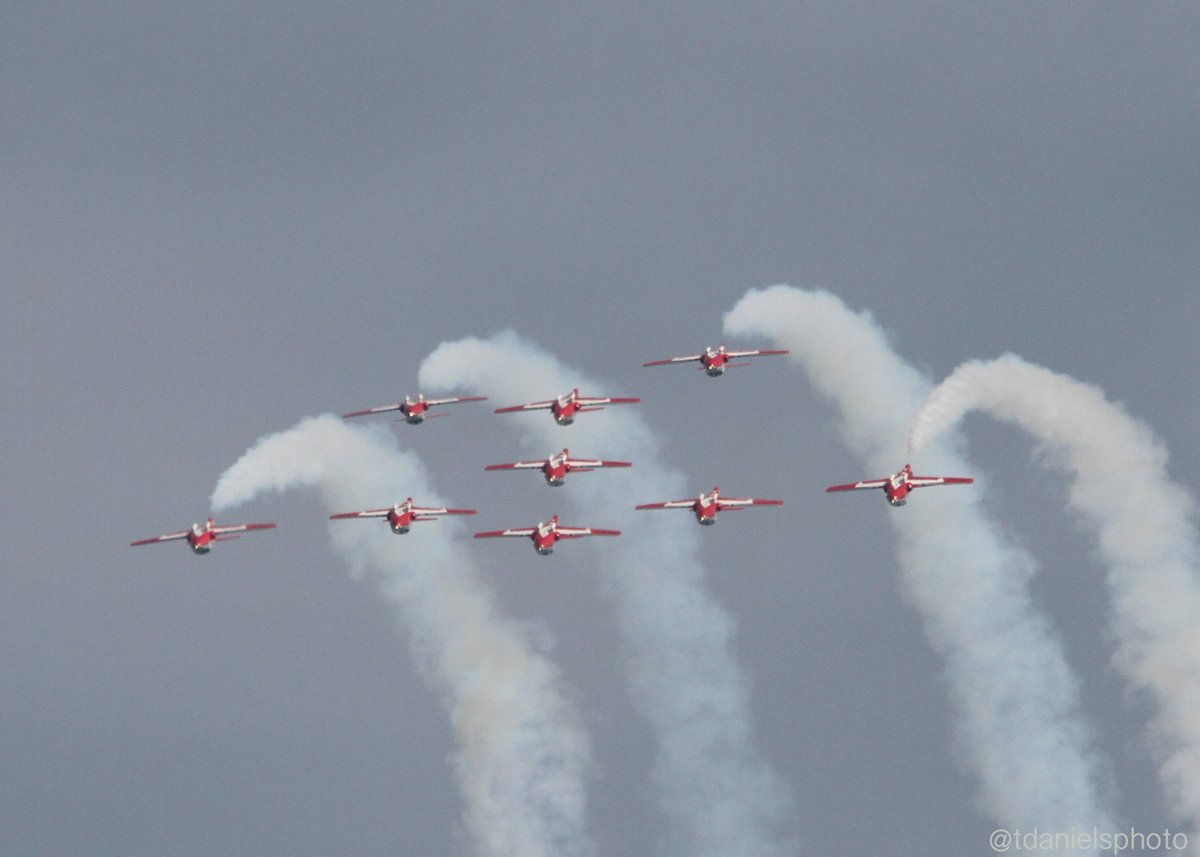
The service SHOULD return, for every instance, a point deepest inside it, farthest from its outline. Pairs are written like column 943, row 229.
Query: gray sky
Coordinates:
column 218, row 220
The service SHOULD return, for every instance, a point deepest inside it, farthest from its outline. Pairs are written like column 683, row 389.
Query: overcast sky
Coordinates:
column 218, row 219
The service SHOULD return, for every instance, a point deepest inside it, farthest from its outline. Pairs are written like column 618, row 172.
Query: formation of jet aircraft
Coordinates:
column 564, row 408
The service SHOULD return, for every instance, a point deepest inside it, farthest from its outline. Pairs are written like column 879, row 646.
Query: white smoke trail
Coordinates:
column 1018, row 723
column 1145, row 525
column 523, row 755
column 723, row 799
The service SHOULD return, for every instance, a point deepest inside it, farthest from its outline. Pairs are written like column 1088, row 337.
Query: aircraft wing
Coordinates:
column 517, row 465
column 926, row 481
column 604, row 400
column 580, row 532
column 737, row 502
column 758, row 352
column 585, row 463
column 495, row 534
column 379, row 410
column 182, row 534
column 858, row 486
column 670, row 504
column 241, row 528
column 533, row 406
column 419, row 510
column 687, row 358
column 369, row 513
column 453, row 399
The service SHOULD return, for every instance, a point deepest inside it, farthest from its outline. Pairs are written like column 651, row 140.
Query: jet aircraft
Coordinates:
column 200, row 537
column 715, row 361
column 566, row 406
column 402, row 515
column 707, row 506
column 415, row 410
column 545, row 535
column 556, row 467
column 898, row 486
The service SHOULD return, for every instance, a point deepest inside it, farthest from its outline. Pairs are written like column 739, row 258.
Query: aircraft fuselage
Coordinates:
column 706, row 511
column 400, row 521
column 564, row 412
column 897, row 491
column 200, row 540
column 714, row 363
column 414, row 412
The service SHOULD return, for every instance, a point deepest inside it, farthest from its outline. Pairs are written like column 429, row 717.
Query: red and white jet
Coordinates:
column 715, row 361
column 898, row 485
column 556, row 467
column 566, row 406
column 707, row 506
column 414, row 410
column 402, row 515
column 201, row 536
column 545, row 535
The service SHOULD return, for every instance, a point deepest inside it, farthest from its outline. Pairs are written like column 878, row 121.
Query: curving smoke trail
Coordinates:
column 523, row 755
column 1145, row 525
column 1016, row 700
column 723, row 799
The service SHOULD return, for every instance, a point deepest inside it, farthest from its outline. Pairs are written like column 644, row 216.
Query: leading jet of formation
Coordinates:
column 415, row 411
column 706, row 506
column 401, row 516
column 546, row 534
column 898, row 486
column 715, row 361
column 200, row 537
column 556, row 467
column 565, row 407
